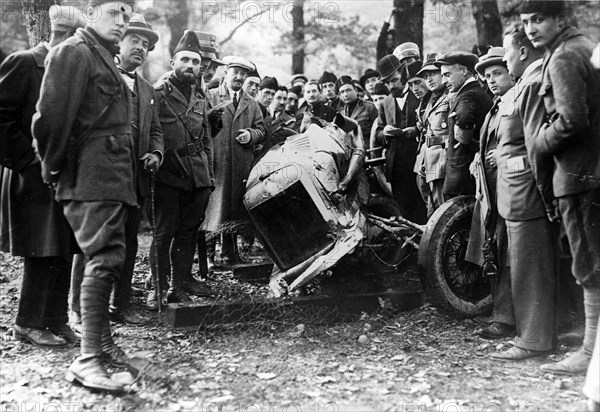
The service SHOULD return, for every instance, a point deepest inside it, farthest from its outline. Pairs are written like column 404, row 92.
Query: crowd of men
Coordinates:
column 86, row 142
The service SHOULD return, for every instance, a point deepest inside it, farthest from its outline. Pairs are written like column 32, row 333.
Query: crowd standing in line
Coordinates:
column 518, row 126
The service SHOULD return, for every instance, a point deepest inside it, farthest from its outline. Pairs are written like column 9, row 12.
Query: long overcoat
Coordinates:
column 31, row 221
column 232, row 160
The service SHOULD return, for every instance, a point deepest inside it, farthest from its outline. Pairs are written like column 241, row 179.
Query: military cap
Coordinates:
column 327, row 77
column 469, row 60
column 342, row 81
column 268, row 82
column 380, row 88
column 429, row 64
column 236, row 61
column 406, row 50
column 298, row 77
column 65, row 18
column 387, row 66
column 188, row 42
column 492, row 58
column 369, row 73
column 548, row 8
column 138, row 25
column 209, row 48
column 297, row 90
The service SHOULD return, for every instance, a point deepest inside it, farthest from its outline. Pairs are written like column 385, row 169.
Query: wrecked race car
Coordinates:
column 309, row 200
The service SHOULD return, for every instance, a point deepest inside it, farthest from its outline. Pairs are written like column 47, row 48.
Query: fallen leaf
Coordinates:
column 266, row 376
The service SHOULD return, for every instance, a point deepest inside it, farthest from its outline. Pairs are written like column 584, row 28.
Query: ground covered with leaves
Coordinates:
column 383, row 361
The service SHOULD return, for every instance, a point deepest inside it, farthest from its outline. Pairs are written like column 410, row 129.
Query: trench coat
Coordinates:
column 31, row 221
column 232, row 160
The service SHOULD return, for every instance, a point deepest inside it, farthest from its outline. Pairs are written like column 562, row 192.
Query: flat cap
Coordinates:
column 406, row 50
column 548, row 8
column 429, row 64
column 65, row 18
column 327, row 77
column 369, row 73
column 138, row 25
column 469, row 60
column 236, row 61
column 492, row 58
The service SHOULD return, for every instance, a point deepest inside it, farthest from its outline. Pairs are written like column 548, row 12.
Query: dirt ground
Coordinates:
column 387, row 361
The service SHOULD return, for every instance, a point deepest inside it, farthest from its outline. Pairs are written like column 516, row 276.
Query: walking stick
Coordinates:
column 154, row 251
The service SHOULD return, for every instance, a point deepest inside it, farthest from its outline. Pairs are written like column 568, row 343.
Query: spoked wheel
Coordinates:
column 452, row 284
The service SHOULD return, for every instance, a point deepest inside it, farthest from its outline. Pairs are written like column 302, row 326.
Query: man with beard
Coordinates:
column 397, row 115
column 33, row 224
column 243, row 129
column 364, row 113
column 327, row 82
column 571, row 137
column 83, row 136
column 185, row 180
column 251, row 84
column 468, row 107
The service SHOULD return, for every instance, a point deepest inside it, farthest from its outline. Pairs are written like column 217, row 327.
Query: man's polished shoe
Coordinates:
column 89, row 372
column 176, row 295
column 497, row 330
column 517, row 354
column 194, row 287
column 575, row 364
column 128, row 317
column 39, row 337
column 67, row 333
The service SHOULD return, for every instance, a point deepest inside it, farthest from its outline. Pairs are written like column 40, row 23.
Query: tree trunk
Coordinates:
column 487, row 21
column 177, row 14
column 408, row 21
column 37, row 20
column 298, row 45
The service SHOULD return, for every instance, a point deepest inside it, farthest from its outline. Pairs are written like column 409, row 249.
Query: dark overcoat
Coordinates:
column 467, row 112
column 571, row 92
column 150, row 136
column 31, row 221
column 365, row 114
column 183, row 123
column 232, row 160
column 82, row 125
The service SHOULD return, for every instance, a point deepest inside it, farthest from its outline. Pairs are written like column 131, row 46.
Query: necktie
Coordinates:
column 347, row 114
column 235, row 101
column 126, row 73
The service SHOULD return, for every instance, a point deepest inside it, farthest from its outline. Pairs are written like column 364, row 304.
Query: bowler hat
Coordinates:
column 139, row 25
column 342, row 81
column 65, row 18
column 406, row 50
column 548, row 8
column 188, row 42
column 380, row 88
column 327, row 77
column 268, row 82
column 469, row 60
column 429, row 64
column 236, row 61
column 492, row 58
column 369, row 73
column 387, row 65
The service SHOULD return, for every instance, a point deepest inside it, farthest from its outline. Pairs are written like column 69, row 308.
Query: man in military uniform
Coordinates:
column 185, row 179
column 243, row 129
column 468, row 106
column 33, row 225
column 364, row 113
column 571, row 136
column 313, row 106
column 83, row 135
column 398, row 114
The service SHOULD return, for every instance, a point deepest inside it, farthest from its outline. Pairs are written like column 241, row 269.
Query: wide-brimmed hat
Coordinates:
column 387, row 65
column 429, row 64
column 492, row 58
column 139, row 25
column 469, row 60
column 369, row 73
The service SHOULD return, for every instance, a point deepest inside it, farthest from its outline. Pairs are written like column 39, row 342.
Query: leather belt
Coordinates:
column 191, row 149
column 434, row 140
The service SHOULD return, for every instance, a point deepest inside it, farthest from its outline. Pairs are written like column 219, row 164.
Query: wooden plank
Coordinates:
column 331, row 307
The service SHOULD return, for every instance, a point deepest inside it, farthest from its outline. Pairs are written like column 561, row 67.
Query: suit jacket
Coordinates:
column 185, row 123
column 32, row 222
column 402, row 150
column 467, row 112
column 82, row 127
column 571, row 92
column 233, row 161
column 150, row 137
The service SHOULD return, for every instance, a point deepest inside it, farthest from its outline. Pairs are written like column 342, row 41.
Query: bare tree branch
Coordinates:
column 242, row 23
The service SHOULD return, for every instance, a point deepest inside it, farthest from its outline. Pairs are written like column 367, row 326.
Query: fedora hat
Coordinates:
column 139, row 25
column 492, row 58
